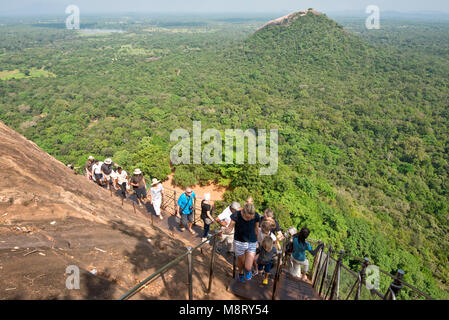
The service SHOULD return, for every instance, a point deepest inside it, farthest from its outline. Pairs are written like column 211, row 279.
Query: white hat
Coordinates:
column 154, row 181
column 108, row 161
column 207, row 196
column 91, row 158
column 137, row 171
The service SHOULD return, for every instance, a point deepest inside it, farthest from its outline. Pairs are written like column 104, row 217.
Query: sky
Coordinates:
column 27, row 7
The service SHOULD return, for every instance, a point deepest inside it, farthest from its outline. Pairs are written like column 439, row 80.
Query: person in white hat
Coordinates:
column 156, row 193
column 106, row 170
column 206, row 215
column 139, row 185
column 88, row 168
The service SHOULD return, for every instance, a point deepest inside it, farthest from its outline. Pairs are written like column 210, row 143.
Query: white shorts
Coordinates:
column 240, row 248
column 295, row 267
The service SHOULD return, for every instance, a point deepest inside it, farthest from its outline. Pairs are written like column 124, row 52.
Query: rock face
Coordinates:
column 31, row 178
column 51, row 219
column 285, row 20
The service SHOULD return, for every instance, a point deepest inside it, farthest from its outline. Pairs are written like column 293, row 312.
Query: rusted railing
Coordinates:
column 355, row 284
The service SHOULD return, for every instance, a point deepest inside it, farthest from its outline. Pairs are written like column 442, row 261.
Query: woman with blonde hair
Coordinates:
column 246, row 236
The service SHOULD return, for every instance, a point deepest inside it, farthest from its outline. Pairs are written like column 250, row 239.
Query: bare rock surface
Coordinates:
column 51, row 218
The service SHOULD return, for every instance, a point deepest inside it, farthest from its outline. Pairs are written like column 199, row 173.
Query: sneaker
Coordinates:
column 248, row 275
column 242, row 277
column 203, row 239
column 265, row 281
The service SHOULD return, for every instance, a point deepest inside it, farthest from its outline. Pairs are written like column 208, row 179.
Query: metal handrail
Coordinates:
column 189, row 251
column 360, row 281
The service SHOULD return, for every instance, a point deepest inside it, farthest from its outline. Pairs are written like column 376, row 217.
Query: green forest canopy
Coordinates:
column 362, row 118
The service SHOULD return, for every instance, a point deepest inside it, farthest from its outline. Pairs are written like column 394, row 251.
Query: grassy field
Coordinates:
column 17, row 74
column 128, row 49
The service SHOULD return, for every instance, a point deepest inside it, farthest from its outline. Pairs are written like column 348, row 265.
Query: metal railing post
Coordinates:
column 395, row 286
column 318, row 268
column 336, row 284
column 323, row 279
column 315, row 258
column 233, row 266
column 194, row 211
column 361, row 278
column 174, row 202
column 277, row 275
column 212, row 261
column 151, row 212
column 189, row 261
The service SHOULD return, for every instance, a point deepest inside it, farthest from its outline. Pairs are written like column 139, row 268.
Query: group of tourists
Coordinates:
column 103, row 173
column 253, row 238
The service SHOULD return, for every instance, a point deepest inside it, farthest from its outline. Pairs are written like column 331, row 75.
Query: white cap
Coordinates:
column 137, row 171
column 91, row 158
column 108, row 161
column 207, row 196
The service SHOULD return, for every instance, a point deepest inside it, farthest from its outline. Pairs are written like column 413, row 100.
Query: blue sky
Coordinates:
column 225, row 6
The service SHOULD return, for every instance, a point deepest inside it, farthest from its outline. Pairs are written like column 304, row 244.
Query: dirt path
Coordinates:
column 216, row 191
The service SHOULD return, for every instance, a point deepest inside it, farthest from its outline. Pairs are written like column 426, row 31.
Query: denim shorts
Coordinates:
column 240, row 248
column 267, row 267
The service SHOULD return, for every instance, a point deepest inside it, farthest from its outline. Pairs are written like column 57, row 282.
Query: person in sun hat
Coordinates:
column 184, row 209
column 139, row 185
column 156, row 194
column 206, row 215
column 106, row 170
column 88, row 168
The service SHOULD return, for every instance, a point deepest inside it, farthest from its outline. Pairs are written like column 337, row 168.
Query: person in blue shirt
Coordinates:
column 298, row 258
column 184, row 209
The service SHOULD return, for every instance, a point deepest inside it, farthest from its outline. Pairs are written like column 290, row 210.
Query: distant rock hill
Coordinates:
column 51, row 218
column 285, row 20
